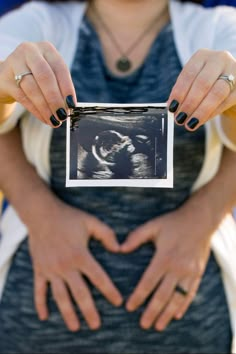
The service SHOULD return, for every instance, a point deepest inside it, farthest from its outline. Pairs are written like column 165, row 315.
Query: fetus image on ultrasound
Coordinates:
column 118, row 144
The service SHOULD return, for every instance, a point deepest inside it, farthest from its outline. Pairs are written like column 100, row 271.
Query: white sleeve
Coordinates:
column 225, row 39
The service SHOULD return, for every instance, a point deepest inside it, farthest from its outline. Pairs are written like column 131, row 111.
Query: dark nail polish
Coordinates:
column 173, row 106
column 54, row 121
column 61, row 113
column 193, row 123
column 181, row 117
column 70, row 101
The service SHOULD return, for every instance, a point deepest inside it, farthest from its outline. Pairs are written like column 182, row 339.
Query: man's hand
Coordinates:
column 182, row 241
column 60, row 255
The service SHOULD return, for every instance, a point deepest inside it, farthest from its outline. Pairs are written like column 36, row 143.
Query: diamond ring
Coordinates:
column 230, row 79
column 19, row 77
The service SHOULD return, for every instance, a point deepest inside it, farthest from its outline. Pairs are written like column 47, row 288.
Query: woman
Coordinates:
column 154, row 245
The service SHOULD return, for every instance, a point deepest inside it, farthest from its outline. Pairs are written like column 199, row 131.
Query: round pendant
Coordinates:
column 123, row 64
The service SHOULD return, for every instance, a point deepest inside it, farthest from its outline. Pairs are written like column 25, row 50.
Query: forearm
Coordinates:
column 217, row 198
column 20, row 183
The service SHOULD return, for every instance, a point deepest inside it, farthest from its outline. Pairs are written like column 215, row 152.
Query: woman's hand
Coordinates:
column 48, row 92
column 182, row 241
column 198, row 94
column 60, row 256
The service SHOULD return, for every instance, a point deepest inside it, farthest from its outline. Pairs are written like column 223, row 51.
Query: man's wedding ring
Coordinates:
column 181, row 290
column 230, row 79
column 19, row 77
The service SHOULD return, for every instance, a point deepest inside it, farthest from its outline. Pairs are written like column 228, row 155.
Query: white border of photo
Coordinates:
column 143, row 183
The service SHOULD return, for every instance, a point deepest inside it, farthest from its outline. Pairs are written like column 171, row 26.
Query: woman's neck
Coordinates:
column 126, row 20
column 136, row 15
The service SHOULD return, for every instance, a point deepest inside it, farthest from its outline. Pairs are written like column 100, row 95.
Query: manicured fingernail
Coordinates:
column 193, row 123
column 173, row 106
column 54, row 121
column 61, row 113
column 70, row 101
column 181, row 117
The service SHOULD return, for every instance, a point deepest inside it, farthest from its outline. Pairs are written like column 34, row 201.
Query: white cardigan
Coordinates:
column 194, row 28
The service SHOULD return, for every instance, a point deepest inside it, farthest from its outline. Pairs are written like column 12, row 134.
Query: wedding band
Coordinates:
column 181, row 290
column 230, row 79
column 19, row 77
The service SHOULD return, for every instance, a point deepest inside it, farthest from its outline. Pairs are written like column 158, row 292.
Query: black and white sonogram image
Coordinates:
column 118, row 143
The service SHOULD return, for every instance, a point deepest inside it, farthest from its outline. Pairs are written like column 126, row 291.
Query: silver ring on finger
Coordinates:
column 19, row 77
column 179, row 289
column 230, row 79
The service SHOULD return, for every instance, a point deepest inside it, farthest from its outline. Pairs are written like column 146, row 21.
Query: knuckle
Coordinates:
column 46, row 45
column 225, row 55
column 24, row 47
column 190, row 267
column 202, row 52
column 194, row 269
column 58, row 266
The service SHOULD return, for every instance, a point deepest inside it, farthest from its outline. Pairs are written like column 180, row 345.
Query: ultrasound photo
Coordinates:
column 120, row 145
